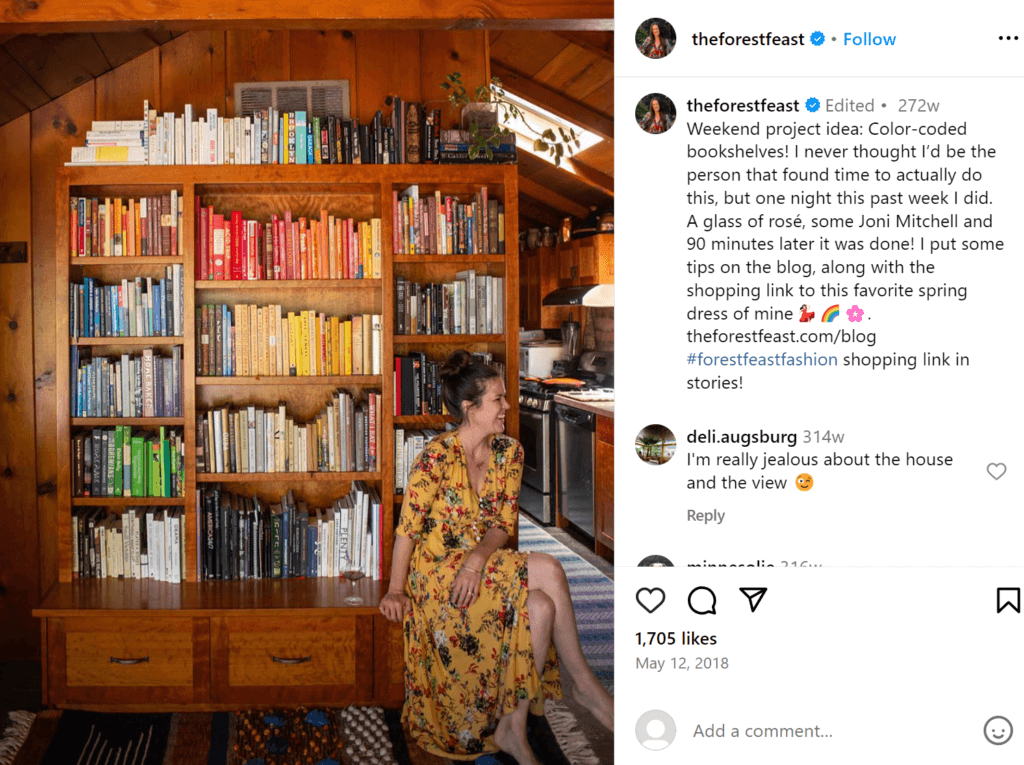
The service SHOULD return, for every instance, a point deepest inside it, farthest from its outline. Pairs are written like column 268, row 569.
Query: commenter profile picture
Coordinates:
column 655, row 113
column 655, row 444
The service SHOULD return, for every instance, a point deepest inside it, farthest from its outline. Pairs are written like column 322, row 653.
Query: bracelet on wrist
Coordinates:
column 474, row 570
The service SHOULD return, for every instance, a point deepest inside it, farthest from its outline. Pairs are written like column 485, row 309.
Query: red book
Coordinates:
column 217, row 252
column 288, row 265
column 203, row 261
column 273, row 247
column 295, row 265
column 236, row 245
column 278, row 249
column 227, row 249
column 344, row 244
column 246, row 250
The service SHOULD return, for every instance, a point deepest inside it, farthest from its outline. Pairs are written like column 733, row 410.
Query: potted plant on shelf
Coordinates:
column 481, row 113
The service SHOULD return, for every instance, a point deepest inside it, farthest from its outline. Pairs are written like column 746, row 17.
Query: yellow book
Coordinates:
column 357, row 344
column 291, row 341
column 118, row 248
column 377, row 251
column 271, row 341
column 336, row 367
column 137, row 230
column 305, row 343
column 284, row 346
column 322, row 347
column 348, row 347
column 242, row 340
column 284, row 139
column 279, row 349
column 366, row 254
column 107, row 239
column 261, row 341
column 315, row 340
column 253, row 340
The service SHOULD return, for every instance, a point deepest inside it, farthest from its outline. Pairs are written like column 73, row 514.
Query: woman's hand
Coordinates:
column 466, row 588
column 395, row 605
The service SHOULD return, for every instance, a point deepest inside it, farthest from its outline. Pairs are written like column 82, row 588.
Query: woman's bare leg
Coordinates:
column 510, row 735
column 546, row 574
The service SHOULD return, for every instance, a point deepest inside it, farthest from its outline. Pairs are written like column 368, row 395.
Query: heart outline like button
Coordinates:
column 650, row 591
column 996, row 469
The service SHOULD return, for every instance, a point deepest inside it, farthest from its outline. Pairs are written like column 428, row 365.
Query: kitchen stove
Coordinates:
column 538, row 429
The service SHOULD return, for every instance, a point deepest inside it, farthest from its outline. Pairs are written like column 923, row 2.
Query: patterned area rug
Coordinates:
column 14, row 728
column 592, row 597
column 352, row 736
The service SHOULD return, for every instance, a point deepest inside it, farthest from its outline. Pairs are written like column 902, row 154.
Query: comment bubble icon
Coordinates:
column 702, row 601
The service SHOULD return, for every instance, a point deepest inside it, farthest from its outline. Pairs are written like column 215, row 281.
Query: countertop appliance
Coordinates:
column 536, row 360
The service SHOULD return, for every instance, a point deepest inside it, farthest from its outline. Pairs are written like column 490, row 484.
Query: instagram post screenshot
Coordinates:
column 317, row 447
column 821, row 464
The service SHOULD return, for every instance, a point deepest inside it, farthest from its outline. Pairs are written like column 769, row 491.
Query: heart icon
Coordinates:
column 996, row 469
column 651, row 599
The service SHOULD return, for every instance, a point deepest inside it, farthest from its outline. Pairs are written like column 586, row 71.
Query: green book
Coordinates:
column 165, row 465
column 138, row 466
column 118, row 460
column 153, row 450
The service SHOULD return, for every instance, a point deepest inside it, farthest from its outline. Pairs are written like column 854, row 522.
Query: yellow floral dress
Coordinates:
column 466, row 667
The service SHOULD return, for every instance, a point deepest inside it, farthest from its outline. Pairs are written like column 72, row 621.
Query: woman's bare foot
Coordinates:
column 596, row 699
column 510, row 736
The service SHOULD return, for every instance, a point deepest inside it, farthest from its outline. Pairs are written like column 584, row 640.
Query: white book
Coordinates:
column 211, row 137
column 179, row 140
column 221, row 156
column 250, row 423
column 399, row 462
column 319, row 546
column 499, row 305
column 150, row 539
column 218, row 442
column 175, row 547
column 169, row 138
column 188, row 129
column 343, row 537
column 329, row 569
column 200, row 141
column 250, row 141
column 165, row 550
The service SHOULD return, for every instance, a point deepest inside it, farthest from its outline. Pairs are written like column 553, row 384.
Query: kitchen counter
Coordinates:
column 603, row 408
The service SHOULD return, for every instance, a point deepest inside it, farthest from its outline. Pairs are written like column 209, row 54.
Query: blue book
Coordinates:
column 300, row 138
column 311, row 567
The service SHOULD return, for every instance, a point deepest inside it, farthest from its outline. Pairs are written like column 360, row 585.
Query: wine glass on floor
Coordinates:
column 353, row 573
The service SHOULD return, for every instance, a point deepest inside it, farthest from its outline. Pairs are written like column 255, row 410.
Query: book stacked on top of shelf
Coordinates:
column 114, row 228
column 112, row 142
column 251, row 340
column 139, row 543
column 471, row 304
column 455, row 149
column 229, row 247
column 130, row 386
column 139, row 307
column 447, row 226
column 246, row 538
column 343, row 438
column 114, row 462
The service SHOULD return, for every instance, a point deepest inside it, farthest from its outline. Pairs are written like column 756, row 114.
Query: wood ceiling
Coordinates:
column 567, row 73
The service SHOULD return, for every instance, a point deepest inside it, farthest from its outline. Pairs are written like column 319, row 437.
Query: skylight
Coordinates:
column 541, row 119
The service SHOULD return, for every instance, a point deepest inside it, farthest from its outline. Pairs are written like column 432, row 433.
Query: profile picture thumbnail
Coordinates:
column 655, row 113
column 655, row 38
column 655, row 445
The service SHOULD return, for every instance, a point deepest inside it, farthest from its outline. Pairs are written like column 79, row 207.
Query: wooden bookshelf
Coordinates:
column 207, row 614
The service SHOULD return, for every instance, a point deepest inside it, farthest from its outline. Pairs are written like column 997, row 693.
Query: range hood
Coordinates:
column 597, row 295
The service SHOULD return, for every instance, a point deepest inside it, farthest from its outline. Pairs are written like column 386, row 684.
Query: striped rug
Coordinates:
column 592, row 598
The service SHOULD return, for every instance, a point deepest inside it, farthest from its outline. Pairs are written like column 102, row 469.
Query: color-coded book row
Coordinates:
column 246, row 538
column 232, row 248
column 446, row 225
column 139, row 307
column 471, row 304
column 344, row 437
column 115, row 462
column 250, row 340
column 140, row 543
column 131, row 228
column 130, row 386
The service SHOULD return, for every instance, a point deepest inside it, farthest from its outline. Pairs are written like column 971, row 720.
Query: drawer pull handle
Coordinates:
column 297, row 660
column 129, row 662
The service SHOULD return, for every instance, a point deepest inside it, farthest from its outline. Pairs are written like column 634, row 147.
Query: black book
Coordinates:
column 378, row 138
column 358, row 157
column 408, row 380
column 325, row 139
column 345, row 143
column 214, row 506
column 332, row 137
column 304, row 535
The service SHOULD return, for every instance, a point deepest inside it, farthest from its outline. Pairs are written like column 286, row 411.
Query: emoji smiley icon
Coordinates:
column 804, row 482
column 998, row 730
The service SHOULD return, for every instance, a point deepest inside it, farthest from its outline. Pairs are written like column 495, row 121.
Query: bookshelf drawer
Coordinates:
column 300, row 659
column 126, row 660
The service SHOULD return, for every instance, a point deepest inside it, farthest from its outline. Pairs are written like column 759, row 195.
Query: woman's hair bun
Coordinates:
column 457, row 362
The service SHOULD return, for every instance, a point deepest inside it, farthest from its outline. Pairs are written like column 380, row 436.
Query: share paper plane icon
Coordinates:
column 754, row 595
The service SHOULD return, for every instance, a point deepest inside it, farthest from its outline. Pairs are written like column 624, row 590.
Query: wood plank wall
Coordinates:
column 200, row 68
